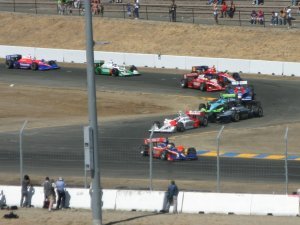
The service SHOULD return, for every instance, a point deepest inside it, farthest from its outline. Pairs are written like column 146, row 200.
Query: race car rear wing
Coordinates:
column 155, row 140
column 242, row 82
column 195, row 113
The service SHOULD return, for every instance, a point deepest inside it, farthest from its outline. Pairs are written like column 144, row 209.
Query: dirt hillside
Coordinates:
column 152, row 37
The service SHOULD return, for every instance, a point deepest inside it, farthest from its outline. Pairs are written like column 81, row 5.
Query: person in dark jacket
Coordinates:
column 171, row 196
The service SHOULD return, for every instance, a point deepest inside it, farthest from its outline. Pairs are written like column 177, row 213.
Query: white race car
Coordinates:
column 184, row 121
column 112, row 69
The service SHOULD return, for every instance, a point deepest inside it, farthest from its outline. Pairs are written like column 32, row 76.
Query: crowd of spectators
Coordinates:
column 221, row 8
column 284, row 17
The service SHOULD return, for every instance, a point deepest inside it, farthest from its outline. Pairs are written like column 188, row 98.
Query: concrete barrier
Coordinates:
column 159, row 61
column 276, row 205
column 131, row 200
column 188, row 202
column 216, row 203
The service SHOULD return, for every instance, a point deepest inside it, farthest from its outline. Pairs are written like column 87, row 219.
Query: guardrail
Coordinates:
column 160, row 61
column 188, row 202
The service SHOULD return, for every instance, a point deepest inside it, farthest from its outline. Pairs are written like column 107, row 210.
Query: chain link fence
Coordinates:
column 59, row 151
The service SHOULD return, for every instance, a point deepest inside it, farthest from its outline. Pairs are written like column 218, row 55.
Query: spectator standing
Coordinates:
column 24, row 191
column 60, row 7
column 216, row 13
column 101, row 8
column 260, row 17
column 274, row 19
column 224, row 9
column 282, row 17
column 171, row 196
column 253, row 17
column 136, row 9
column 61, row 193
column 128, row 8
column 77, row 4
column 95, row 7
column 294, row 2
column 172, row 11
column 289, row 17
column 49, row 193
column 231, row 10
column 298, row 10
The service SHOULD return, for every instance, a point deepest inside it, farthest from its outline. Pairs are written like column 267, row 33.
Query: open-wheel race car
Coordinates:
column 238, row 111
column 112, row 69
column 16, row 61
column 184, row 121
column 242, row 90
column 163, row 149
column 207, row 81
column 216, row 106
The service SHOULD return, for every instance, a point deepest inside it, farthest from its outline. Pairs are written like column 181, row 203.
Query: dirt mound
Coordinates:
column 151, row 37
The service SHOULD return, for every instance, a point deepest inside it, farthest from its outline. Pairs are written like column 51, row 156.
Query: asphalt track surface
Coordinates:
column 59, row 150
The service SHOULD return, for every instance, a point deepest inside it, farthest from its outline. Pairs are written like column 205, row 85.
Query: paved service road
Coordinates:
column 60, row 149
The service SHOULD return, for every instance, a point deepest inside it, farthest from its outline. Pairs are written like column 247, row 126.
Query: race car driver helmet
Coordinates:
column 169, row 146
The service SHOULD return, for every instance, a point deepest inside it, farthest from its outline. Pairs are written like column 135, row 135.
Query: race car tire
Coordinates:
column 132, row 68
column 164, row 155
column 204, row 121
column 203, row 87
column 9, row 64
column 34, row 66
column 236, row 117
column 180, row 127
column 115, row 72
column 202, row 106
column 236, row 76
column 17, row 65
column 157, row 123
column 145, row 150
column 97, row 71
column 184, row 83
column 258, row 111
column 191, row 151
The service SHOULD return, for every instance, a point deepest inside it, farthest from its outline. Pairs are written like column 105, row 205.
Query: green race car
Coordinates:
column 216, row 106
column 112, row 69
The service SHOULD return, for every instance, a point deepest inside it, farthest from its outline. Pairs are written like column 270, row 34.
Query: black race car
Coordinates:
column 239, row 112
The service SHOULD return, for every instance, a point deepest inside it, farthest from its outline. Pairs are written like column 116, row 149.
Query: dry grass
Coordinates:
column 152, row 37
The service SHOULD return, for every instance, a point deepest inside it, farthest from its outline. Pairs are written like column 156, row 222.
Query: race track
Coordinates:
column 59, row 150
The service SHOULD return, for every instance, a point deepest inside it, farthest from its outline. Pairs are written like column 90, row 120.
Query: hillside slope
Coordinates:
column 152, row 37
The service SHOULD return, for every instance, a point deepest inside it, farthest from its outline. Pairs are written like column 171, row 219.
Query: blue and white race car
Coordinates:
column 16, row 61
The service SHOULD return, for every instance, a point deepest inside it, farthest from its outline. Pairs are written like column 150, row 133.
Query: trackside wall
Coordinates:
column 159, row 61
column 188, row 202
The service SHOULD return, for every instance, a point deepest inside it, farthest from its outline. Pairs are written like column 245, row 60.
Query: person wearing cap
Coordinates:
column 61, row 193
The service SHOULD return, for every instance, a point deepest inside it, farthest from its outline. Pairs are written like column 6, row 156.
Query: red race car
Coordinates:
column 164, row 150
column 207, row 81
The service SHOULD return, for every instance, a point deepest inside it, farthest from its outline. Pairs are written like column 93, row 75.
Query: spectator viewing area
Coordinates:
column 277, row 13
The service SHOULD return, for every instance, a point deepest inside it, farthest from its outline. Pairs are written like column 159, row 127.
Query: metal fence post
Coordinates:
column 151, row 158
column 286, row 162
column 21, row 151
column 14, row 5
column 193, row 16
column 218, row 158
column 35, row 5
